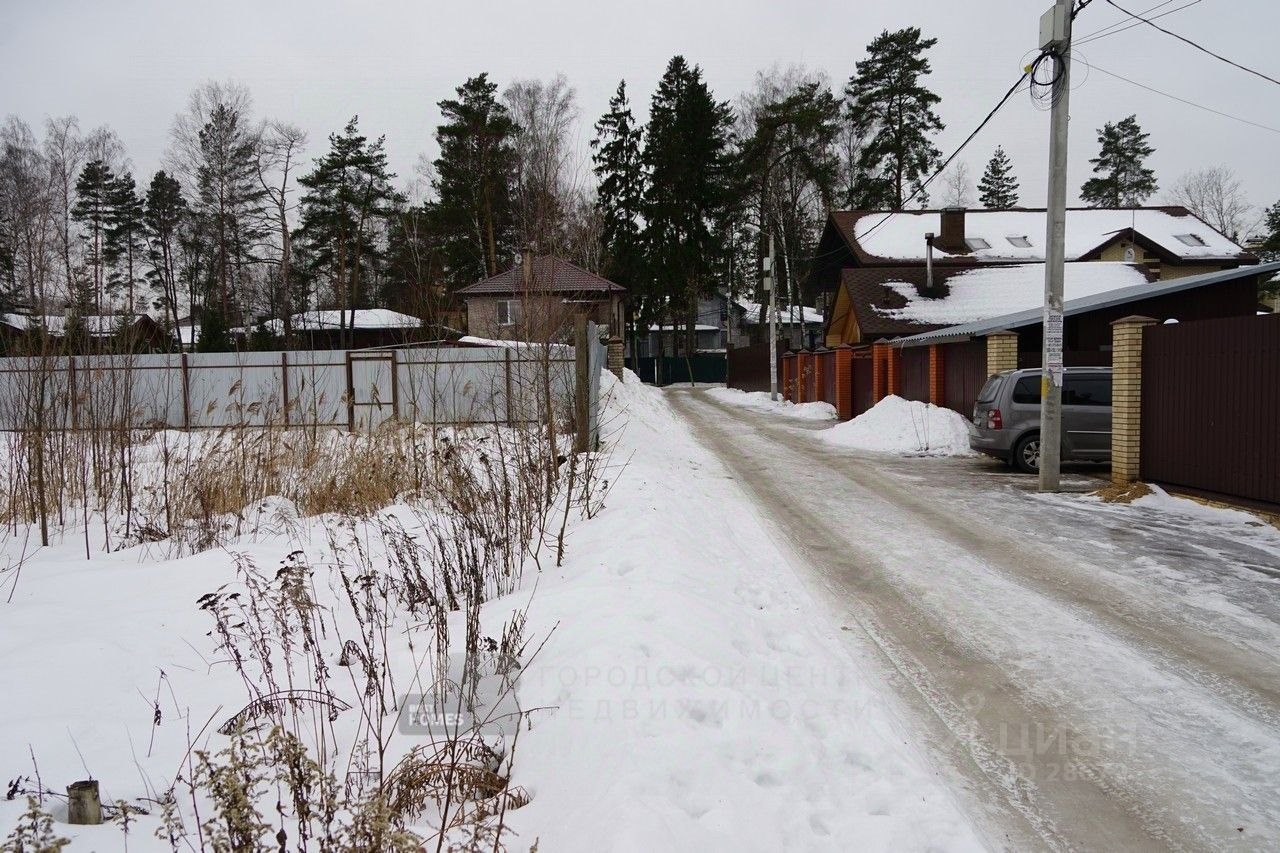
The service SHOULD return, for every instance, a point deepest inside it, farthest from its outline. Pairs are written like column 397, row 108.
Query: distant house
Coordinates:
column 722, row 325
column 866, row 257
column 106, row 333
column 348, row 329
column 538, row 298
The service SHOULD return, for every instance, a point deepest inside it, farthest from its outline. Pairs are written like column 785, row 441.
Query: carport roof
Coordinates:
column 1108, row 299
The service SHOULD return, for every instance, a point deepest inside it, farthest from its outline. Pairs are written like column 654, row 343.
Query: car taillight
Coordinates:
column 994, row 420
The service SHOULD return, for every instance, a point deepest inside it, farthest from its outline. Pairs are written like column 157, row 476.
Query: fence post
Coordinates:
column 1002, row 351
column 802, row 376
column 72, row 391
column 937, row 375
column 615, row 356
column 582, row 386
column 893, row 357
column 879, row 375
column 186, row 393
column 844, row 382
column 506, row 361
column 284, row 385
column 1126, row 398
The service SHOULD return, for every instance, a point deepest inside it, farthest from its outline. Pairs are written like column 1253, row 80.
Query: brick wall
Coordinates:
column 1126, row 398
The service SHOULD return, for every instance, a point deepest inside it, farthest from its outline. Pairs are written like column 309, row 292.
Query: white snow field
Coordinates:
column 693, row 693
column 909, row 427
column 761, row 401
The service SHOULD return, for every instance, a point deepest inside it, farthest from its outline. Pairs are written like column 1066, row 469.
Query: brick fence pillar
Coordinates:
column 819, row 386
column 1002, row 351
column 937, row 375
column 844, row 382
column 893, row 358
column 1126, row 398
column 804, row 370
column 614, row 356
column 879, row 371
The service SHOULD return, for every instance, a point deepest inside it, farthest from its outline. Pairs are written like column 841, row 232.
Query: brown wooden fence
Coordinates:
column 915, row 373
column 1211, row 406
column 863, row 393
column 747, row 368
column 964, row 368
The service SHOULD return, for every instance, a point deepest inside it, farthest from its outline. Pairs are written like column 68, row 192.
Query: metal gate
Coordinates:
column 372, row 397
column 1211, row 405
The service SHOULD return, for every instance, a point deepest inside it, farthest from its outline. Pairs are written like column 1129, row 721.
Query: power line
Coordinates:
column 1183, row 100
column 1121, row 26
column 1198, row 47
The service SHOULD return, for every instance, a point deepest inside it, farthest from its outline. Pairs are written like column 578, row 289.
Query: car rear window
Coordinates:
column 1027, row 391
column 1087, row 391
column 989, row 391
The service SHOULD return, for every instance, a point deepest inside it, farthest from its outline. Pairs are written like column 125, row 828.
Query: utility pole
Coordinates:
column 773, row 322
column 1055, row 38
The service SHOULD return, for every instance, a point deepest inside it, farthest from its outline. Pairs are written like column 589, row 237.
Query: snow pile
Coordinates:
column 1162, row 501
column 895, row 425
column 761, row 402
column 992, row 291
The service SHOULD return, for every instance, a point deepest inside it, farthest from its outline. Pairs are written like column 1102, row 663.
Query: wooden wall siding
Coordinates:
column 915, row 373
column 965, row 371
column 1210, row 405
column 862, row 381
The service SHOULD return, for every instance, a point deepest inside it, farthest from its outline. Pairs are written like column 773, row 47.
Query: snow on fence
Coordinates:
column 355, row 389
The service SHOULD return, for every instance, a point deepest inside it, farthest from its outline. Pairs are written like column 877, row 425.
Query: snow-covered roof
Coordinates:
column 94, row 325
column 802, row 314
column 360, row 318
column 700, row 327
column 1080, row 304
column 1019, row 235
column 981, row 292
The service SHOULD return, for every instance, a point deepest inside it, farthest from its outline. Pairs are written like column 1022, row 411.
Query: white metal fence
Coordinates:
column 355, row 389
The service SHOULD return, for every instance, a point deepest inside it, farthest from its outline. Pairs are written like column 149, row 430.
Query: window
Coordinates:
column 1027, row 391
column 1191, row 239
column 509, row 312
column 1019, row 242
column 1087, row 391
column 976, row 244
column 989, row 391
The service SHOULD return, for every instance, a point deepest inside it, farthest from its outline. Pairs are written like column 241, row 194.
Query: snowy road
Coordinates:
column 1094, row 676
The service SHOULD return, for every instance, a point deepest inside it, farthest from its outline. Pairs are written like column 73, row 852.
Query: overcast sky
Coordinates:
column 132, row 63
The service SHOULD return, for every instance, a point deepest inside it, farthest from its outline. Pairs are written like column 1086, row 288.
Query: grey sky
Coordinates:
column 132, row 63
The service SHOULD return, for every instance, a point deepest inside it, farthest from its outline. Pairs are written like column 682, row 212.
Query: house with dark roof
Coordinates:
column 886, row 274
column 538, row 299
column 89, row 333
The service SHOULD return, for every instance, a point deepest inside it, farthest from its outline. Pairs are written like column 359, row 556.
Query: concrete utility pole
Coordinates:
column 1055, row 36
column 773, row 322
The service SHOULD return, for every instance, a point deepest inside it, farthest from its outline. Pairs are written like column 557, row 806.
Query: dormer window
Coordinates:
column 1191, row 240
column 976, row 244
column 1019, row 242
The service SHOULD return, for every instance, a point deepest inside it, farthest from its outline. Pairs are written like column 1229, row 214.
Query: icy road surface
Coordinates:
column 1094, row 676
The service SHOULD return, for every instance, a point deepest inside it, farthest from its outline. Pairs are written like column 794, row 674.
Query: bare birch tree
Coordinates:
column 280, row 147
column 1216, row 196
column 546, row 173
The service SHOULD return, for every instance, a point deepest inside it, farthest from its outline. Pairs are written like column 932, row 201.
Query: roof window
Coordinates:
column 976, row 244
column 1019, row 242
column 1191, row 239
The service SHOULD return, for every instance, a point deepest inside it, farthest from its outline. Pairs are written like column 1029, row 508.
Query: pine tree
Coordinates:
column 163, row 214
column 124, row 244
column 689, row 190
column 344, row 212
column 1124, row 180
column 998, row 188
column 473, row 182
column 893, row 112
column 93, row 211
column 615, row 156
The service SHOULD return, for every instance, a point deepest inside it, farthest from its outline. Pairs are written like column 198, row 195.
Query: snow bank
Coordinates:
column 760, row 401
column 1162, row 501
column 895, row 425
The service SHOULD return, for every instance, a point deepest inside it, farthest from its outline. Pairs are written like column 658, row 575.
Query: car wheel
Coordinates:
column 1026, row 454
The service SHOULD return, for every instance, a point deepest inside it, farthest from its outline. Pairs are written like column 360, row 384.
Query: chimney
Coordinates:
column 952, row 239
column 928, row 264
column 526, row 268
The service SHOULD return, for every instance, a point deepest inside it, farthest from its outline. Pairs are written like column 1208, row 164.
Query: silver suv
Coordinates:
column 1006, row 417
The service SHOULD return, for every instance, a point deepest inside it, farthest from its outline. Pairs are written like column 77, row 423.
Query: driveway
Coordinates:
column 1093, row 676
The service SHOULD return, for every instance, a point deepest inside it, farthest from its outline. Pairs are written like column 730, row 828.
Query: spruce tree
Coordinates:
column 344, row 210
column 689, row 189
column 893, row 112
column 615, row 156
column 473, row 182
column 1123, row 178
column 163, row 214
column 998, row 188
column 124, row 244
column 93, row 211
